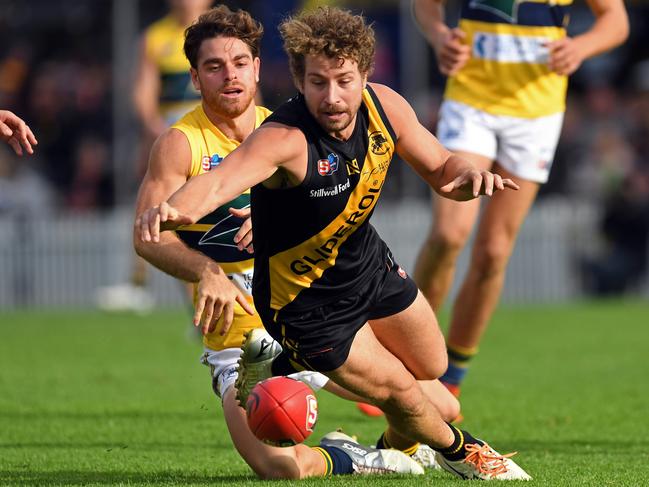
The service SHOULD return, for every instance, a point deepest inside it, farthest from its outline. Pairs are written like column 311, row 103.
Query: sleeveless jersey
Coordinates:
column 164, row 41
column 213, row 235
column 313, row 242
column 507, row 73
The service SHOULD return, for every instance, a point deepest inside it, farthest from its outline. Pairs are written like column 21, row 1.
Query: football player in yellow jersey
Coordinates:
column 162, row 93
column 15, row 132
column 325, row 284
column 223, row 50
column 507, row 65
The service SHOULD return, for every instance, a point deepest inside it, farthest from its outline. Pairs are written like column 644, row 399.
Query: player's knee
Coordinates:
column 491, row 258
column 447, row 243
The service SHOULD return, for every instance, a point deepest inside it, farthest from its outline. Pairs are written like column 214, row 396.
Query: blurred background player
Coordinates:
column 507, row 64
column 223, row 50
column 162, row 93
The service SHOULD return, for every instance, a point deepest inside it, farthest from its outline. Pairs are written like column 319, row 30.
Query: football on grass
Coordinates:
column 282, row 411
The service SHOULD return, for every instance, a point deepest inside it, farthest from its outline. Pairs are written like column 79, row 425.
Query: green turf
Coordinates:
column 94, row 399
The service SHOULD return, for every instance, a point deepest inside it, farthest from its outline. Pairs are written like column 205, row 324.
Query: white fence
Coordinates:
column 59, row 261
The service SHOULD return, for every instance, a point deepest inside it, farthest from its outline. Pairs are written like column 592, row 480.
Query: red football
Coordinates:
column 282, row 411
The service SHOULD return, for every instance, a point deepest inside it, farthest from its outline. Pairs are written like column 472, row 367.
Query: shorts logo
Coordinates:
column 378, row 143
column 328, row 166
column 207, row 162
column 402, row 273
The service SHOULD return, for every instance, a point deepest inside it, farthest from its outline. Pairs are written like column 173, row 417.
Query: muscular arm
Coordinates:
column 168, row 169
column 256, row 160
column 610, row 29
column 449, row 175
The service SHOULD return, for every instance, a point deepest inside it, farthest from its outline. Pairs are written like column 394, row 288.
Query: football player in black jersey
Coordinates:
column 326, row 286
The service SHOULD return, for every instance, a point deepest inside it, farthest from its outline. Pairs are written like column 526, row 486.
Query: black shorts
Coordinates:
column 320, row 339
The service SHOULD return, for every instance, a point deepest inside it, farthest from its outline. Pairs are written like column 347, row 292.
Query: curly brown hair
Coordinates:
column 222, row 22
column 331, row 31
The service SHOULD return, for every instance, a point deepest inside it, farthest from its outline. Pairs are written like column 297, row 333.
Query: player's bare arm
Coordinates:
column 168, row 169
column 450, row 49
column 610, row 29
column 274, row 154
column 15, row 132
column 145, row 93
column 449, row 175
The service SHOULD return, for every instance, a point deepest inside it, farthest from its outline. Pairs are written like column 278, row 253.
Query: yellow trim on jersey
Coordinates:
column 518, row 89
column 206, row 140
column 285, row 285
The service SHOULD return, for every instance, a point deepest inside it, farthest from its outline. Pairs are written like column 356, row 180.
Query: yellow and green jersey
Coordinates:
column 164, row 41
column 507, row 73
column 213, row 235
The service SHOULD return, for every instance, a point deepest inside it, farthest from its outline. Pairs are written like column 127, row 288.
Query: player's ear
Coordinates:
column 194, row 74
column 257, row 64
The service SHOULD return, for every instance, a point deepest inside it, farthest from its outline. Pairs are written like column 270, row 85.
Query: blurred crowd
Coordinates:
column 56, row 71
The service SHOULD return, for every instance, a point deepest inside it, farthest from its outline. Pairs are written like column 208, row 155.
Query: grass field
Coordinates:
column 95, row 399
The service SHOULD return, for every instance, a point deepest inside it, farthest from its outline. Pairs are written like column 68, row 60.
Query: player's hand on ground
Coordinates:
column 243, row 238
column 216, row 297
column 452, row 53
column 473, row 183
column 15, row 132
column 151, row 222
column 565, row 56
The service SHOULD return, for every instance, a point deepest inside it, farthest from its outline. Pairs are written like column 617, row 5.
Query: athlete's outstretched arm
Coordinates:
column 168, row 170
column 257, row 159
column 449, row 175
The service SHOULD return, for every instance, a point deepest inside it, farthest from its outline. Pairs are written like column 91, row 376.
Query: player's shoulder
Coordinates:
column 172, row 142
column 395, row 106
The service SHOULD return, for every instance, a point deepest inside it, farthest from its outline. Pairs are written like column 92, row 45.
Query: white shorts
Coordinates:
column 223, row 366
column 523, row 146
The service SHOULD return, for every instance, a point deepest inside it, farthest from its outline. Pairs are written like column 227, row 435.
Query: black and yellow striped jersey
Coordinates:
column 508, row 73
column 314, row 242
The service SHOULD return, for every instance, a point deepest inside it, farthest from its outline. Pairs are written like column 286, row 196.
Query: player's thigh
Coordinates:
column 372, row 372
column 503, row 216
column 414, row 337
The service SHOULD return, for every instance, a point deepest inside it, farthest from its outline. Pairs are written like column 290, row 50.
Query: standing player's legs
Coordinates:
column 451, row 227
column 494, row 243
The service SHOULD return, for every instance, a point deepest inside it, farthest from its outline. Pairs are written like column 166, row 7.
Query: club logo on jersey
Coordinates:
column 378, row 143
column 352, row 167
column 328, row 166
column 506, row 9
column 207, row 162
